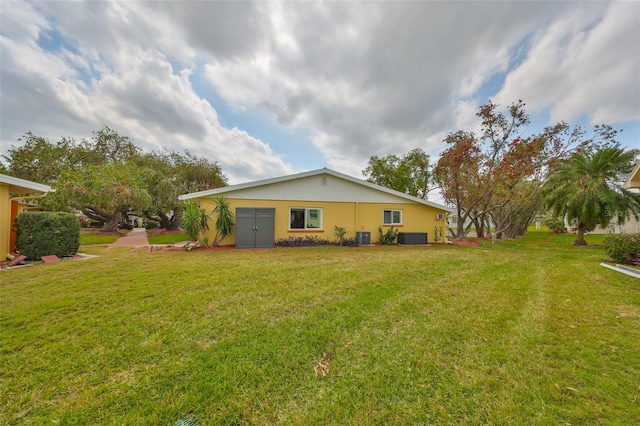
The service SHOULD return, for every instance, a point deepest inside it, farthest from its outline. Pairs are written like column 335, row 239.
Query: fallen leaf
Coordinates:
column 322, row 366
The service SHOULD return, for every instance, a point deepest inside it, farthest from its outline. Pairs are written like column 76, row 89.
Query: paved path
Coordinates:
column 136, row 238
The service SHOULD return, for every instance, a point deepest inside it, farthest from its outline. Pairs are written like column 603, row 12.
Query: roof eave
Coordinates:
column 23, row 185
column 633, row 177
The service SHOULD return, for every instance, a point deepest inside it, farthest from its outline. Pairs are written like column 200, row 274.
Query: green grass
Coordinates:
column 91, row 237
column 167, row 238
column 526, row 332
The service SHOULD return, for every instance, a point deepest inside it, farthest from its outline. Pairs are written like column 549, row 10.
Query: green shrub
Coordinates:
column 437, row 233
column 195, row 220
column 150, row 224
column 313, row 241
column 43, row 233
column 339, row 232
column 623, row 248
column 388, row 237
column 224, row 220
column 555, row 225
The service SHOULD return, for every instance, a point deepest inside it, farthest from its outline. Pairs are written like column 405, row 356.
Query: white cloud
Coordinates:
column 138, row 94
column 361, row 79
column 378, row 79
column 583, row 64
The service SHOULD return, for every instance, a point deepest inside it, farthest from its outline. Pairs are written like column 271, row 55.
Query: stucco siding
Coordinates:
column 5, row 220
column 354, row 216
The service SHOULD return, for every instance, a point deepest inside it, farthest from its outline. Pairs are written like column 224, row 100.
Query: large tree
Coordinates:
column 409, row 173
column 41, row 161
column 171, row 174
column 108, row 177
column 588, row 188
column 106, row 193
column 495, row 177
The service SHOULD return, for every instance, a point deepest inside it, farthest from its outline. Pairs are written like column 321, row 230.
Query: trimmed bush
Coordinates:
column 388, row 237
column 43, row 233
column 623, row 248
column 555, row 225
column 309, row 241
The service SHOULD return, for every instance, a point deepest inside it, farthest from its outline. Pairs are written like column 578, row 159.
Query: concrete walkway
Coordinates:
column 136, row 238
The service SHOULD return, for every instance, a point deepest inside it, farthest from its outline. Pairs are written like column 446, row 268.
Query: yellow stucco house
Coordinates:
column 13, row 193
column 312, row 203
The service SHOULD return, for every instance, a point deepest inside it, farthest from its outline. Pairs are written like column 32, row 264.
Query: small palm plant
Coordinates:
column 339, row 232
column 195, row 221
column 224, row 221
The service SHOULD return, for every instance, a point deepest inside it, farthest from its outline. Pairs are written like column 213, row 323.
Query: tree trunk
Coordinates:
column 460, row 225
column 479, row 223
column 487, row 225
column 111, row 225
column 580, row 241
column 174, row 223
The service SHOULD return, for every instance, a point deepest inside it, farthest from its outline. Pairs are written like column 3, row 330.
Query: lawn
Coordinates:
column 526, row 332
column 94, row 237
column 166, row 237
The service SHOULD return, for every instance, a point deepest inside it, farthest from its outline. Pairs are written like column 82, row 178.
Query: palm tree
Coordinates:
column 589, row 188
column 195, row 221
column 224, row 220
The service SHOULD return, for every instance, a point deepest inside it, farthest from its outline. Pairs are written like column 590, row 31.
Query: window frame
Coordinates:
column 392, row 223
column 307, row 214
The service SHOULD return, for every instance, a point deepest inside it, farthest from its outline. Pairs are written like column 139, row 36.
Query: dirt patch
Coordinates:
column 463, row 243
column 161, row 231
column 472, row 242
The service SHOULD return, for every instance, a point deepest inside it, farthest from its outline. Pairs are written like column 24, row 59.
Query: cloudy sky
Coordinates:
column 271, row 88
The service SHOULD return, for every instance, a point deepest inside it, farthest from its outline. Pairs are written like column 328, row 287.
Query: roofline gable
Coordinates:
column 634, row 176
column 226, row 189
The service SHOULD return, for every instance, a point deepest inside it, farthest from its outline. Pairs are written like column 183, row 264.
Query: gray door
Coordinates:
column 255, row 228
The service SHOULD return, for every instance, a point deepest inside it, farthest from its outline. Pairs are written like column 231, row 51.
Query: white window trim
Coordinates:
column 321, row 228
column 393, row 210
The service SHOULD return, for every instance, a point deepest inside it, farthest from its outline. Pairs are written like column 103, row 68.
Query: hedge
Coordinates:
column 623, row 248
column 43, row 233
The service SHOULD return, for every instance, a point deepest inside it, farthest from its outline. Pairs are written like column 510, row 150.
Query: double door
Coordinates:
column 255, row 228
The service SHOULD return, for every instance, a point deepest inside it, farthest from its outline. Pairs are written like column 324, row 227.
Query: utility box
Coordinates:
column 363, row 237
column 412, row 238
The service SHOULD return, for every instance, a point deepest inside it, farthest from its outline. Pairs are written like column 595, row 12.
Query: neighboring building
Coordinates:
column 633, row 181
column 312, row 203
column 14, row 196
column 632, row 225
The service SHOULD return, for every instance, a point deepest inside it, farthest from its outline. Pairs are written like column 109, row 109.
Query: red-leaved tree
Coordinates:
column 494, row 179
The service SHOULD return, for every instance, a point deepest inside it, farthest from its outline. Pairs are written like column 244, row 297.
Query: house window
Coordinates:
column 305, row 218
column 392, row 217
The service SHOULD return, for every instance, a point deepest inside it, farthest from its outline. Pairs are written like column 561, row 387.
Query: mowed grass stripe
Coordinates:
column 416, row 335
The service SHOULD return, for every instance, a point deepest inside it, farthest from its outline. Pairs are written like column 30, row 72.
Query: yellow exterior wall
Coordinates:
column 352, row 216
column 5, row 221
